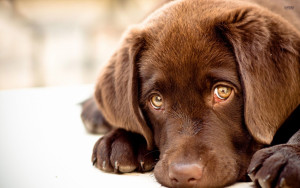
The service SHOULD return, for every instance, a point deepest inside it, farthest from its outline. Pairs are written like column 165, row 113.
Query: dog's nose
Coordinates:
column 185, row 175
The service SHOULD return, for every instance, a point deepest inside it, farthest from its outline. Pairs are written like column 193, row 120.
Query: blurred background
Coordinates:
column 61, row 42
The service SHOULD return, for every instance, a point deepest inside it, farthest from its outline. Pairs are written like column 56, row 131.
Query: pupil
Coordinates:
column 223, row 90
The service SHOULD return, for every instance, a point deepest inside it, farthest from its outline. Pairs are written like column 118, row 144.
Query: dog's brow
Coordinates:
column 150, row 87
column 227, row 75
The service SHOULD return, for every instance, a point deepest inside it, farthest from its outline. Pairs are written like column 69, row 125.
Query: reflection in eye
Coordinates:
column 156, row 101
column 222, row 92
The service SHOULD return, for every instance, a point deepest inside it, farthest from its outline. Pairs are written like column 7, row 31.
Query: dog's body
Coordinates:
column 207, row 83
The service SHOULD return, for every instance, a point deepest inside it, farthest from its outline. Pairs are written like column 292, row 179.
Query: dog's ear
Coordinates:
column 117, row 88
column 266, row 48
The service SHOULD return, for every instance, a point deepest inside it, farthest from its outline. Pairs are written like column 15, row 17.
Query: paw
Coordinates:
column 92, row 118
column 277, row 166
column 121, row 152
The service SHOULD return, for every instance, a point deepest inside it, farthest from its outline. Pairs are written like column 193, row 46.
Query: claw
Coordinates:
column 116, row 166
column 94, row 161
column 263, row 182
column 142, row 165
column 252, row 170
column 282, row 182
column 103, row 165
column 267, row 178
column 251, row 176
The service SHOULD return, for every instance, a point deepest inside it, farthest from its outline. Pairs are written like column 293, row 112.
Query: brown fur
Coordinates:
column 182, row 51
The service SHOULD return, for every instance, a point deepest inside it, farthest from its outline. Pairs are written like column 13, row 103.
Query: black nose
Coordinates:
column 186, row 174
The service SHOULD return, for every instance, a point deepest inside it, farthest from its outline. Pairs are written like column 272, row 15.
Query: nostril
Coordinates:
column 174, row 180
column 185, row 174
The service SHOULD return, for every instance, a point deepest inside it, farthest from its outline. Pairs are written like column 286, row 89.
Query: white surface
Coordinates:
column 44, row 144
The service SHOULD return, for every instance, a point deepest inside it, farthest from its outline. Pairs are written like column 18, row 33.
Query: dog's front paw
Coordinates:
column 121, row 151
column 277, row 166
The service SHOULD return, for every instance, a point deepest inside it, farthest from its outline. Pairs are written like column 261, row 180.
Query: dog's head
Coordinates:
column 201, row 82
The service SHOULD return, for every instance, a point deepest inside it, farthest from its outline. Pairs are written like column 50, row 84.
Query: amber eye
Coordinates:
column 156, row 101
column 223, row 92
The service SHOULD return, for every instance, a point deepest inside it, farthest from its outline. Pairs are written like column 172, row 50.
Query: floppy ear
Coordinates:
column 117, row 88
column 266, row 48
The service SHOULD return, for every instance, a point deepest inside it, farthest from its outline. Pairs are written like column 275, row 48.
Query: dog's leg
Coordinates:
column 92, row 118
column 121, row 151
column 279, row 165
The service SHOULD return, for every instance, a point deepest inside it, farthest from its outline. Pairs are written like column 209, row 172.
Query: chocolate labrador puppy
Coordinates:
column 201, row 91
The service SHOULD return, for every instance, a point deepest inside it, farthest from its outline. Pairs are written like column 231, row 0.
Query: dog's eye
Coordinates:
column 223, row 92
column 156, row 101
